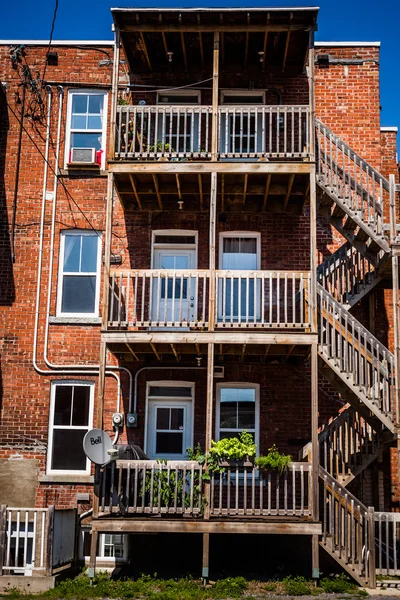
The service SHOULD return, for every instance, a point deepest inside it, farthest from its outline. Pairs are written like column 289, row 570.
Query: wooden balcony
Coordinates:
column 183, row 133
column 144, row 489
column 142, row 299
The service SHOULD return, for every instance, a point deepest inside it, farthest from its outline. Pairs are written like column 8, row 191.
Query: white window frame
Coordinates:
column 240, row 234
column 183, row 93
column 241, row 385
column 107, row 560
column 86, row 92
column 63, row 235
column 172, row 399
column 241, row 92
column 177, row 233
column 52, row 427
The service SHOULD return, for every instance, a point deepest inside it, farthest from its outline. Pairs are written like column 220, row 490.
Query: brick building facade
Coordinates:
column 55, row 212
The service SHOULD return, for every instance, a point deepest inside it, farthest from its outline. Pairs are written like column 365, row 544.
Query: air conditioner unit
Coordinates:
column 83, row 155
column 219, row 372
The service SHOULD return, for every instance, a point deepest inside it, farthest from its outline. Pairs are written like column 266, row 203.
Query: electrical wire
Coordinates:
column 67, row 192
column 181, row 87
column 51, row 37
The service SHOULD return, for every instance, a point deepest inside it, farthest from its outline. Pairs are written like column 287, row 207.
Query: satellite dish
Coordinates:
column 96, row 444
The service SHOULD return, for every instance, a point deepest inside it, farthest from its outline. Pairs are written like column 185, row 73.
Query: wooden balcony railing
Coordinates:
column 180, row 298
column 184, row 132
column 150, row 487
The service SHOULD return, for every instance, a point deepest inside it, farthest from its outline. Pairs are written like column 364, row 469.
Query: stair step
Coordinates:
column 350, row 224
column 337, row 211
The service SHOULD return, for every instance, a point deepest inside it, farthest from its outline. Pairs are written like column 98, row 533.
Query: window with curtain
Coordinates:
column 79, row 273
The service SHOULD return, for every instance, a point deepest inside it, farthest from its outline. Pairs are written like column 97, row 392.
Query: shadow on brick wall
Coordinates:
column 7, row 289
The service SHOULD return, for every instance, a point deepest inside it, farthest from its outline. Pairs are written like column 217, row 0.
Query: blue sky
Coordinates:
column 339, row 20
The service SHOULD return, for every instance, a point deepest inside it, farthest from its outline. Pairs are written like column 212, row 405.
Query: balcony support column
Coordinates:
column 205, row 573
column 215, row 85
column 114, row 95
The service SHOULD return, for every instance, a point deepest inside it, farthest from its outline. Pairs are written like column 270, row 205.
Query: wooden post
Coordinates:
column 209, row 422
column 371, row 548
column 50, row 540
column 214, row 125
column 311, row 96
column 212, row 261
column 93, row 553
column 3, row 526
column 315, row 556
column 314, row 432
column 395, row 246
column 205, row 573
column 114, row 96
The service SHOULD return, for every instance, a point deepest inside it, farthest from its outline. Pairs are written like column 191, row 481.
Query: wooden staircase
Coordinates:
column 351, row 195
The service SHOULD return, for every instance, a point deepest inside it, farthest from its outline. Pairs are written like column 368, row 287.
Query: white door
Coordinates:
column 170, row 420
column 174, row 294
column 239, row 298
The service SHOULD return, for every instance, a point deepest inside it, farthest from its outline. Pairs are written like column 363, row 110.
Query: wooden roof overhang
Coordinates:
column 281, row 34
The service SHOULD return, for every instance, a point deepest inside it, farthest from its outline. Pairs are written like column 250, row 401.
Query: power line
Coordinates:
column 51, row 37
column 60, row 177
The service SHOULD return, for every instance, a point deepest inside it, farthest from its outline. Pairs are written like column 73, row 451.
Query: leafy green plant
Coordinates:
column 273, row 460
column 231, row 587
column 233, row 448
column 338, row 585
column 298, row 586
column 159, row 147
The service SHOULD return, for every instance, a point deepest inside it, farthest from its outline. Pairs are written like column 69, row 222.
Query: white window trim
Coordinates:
column 242, row 92
column 176, row 232
column 63, row 234
column 182, row 93
column 242, row 234
column 226, row 384
column 185, row 399
column 54, row 385
column 86, row 92
column 108, row 560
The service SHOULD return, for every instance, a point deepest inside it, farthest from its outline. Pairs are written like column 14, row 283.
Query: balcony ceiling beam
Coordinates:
column 135, row 192
column 266, row 192
column 204, row 28
column 275, row 189
column 183, row 44
column 222, row 192
column 246, row 180
column 177, row 357
column 246, row 43
column 201, row 44
column 289, row 190
column 159, row 199
column 206, row 337
column 212, row 167
column 285, row 53
column 135, row 356
column 267, row 349
column 178, row 186
column 200, row 182
column 145, row 52
column 157, row 354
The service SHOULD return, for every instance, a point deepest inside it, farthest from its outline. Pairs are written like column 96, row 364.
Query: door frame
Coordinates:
column 176, row 232
column 186, row 400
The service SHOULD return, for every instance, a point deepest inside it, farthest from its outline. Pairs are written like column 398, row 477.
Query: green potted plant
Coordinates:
column 273, row 460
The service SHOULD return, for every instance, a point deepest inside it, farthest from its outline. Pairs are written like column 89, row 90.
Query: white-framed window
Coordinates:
column 237, row 409
column 169, row 423
column 79, row 274
column 179, row 127
column 238, row 128
column 86, row 126
column 239, row 298
column 71, row 415
column 111, row 550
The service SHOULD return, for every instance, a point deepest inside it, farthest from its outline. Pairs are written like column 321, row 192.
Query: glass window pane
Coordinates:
column 74, row 458
column 96, row 103
column 162, row 418
column 169, row 443
column 228, row 415
column 177, row 418
column 238, row 394
column 177, row 391
column 246, row 415
column 72, row 249
column 78, row 294
column 95, row 122
column 181, row 262
column 79, row 103
column 78, row 122
column 86, row 140
column 167, row 262
column 80, row 410
column 62, row 405
column 89, row 253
